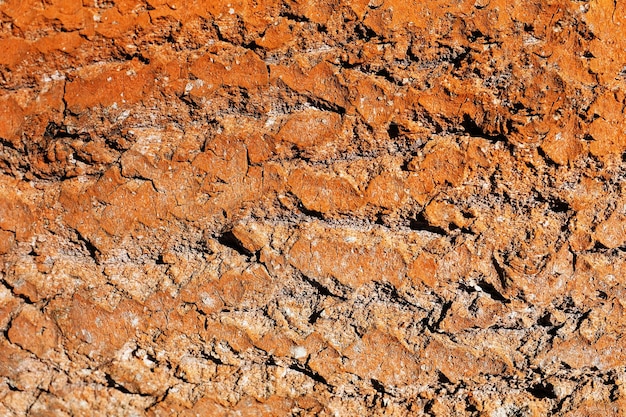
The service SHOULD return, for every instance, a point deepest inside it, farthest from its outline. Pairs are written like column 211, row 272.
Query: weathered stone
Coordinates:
column 312, row 208
column 310, row 130
column 352, row 259
column 324, row 192
column 34, row 332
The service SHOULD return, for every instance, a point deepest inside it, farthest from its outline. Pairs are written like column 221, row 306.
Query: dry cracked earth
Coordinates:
column 312, row 208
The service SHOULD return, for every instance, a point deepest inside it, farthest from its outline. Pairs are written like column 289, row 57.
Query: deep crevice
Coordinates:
column 444, row 312
column 321, row 289
column 442, row 378
column 294, row 17
column 229, row 240
column 378, row 386
column 420, row 223
column 93, row 251
column 473, row 129
column 315, row 316
column 325, row 105
column 500, row 271
column 114, row 385
column 492, row 292
column 11, row 288
column 212, row 358
column 393, row 131
column 310, row 373
column 541, row 391
column 310, row 213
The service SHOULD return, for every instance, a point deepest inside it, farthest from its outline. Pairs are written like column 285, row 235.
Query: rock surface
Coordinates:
column 375, row 207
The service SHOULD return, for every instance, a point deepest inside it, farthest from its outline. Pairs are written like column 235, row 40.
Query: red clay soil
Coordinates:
column 312, row 208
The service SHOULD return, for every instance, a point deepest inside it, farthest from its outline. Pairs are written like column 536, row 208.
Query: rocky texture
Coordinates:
column 312, row 208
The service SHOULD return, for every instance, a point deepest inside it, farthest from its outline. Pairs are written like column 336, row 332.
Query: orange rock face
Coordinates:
column 307, row 208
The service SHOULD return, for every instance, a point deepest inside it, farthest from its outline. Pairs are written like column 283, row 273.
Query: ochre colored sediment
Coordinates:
column 312, row 208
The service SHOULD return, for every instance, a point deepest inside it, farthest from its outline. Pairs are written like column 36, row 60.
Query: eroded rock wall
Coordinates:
column 302, row 208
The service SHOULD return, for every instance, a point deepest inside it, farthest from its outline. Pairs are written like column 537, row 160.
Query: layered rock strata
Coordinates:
column 374, row 207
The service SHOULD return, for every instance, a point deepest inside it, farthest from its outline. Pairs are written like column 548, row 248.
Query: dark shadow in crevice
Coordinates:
column 114, row 385
column 321, row 289
column 310, row 213
column 393, row 131
column 542, row 391
column 470, row 127
column 89, row 247
column 212, row 358
column 229, row 240
column 310, row 373
column 492, row 292
column 500, row 271
column 420, row 223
